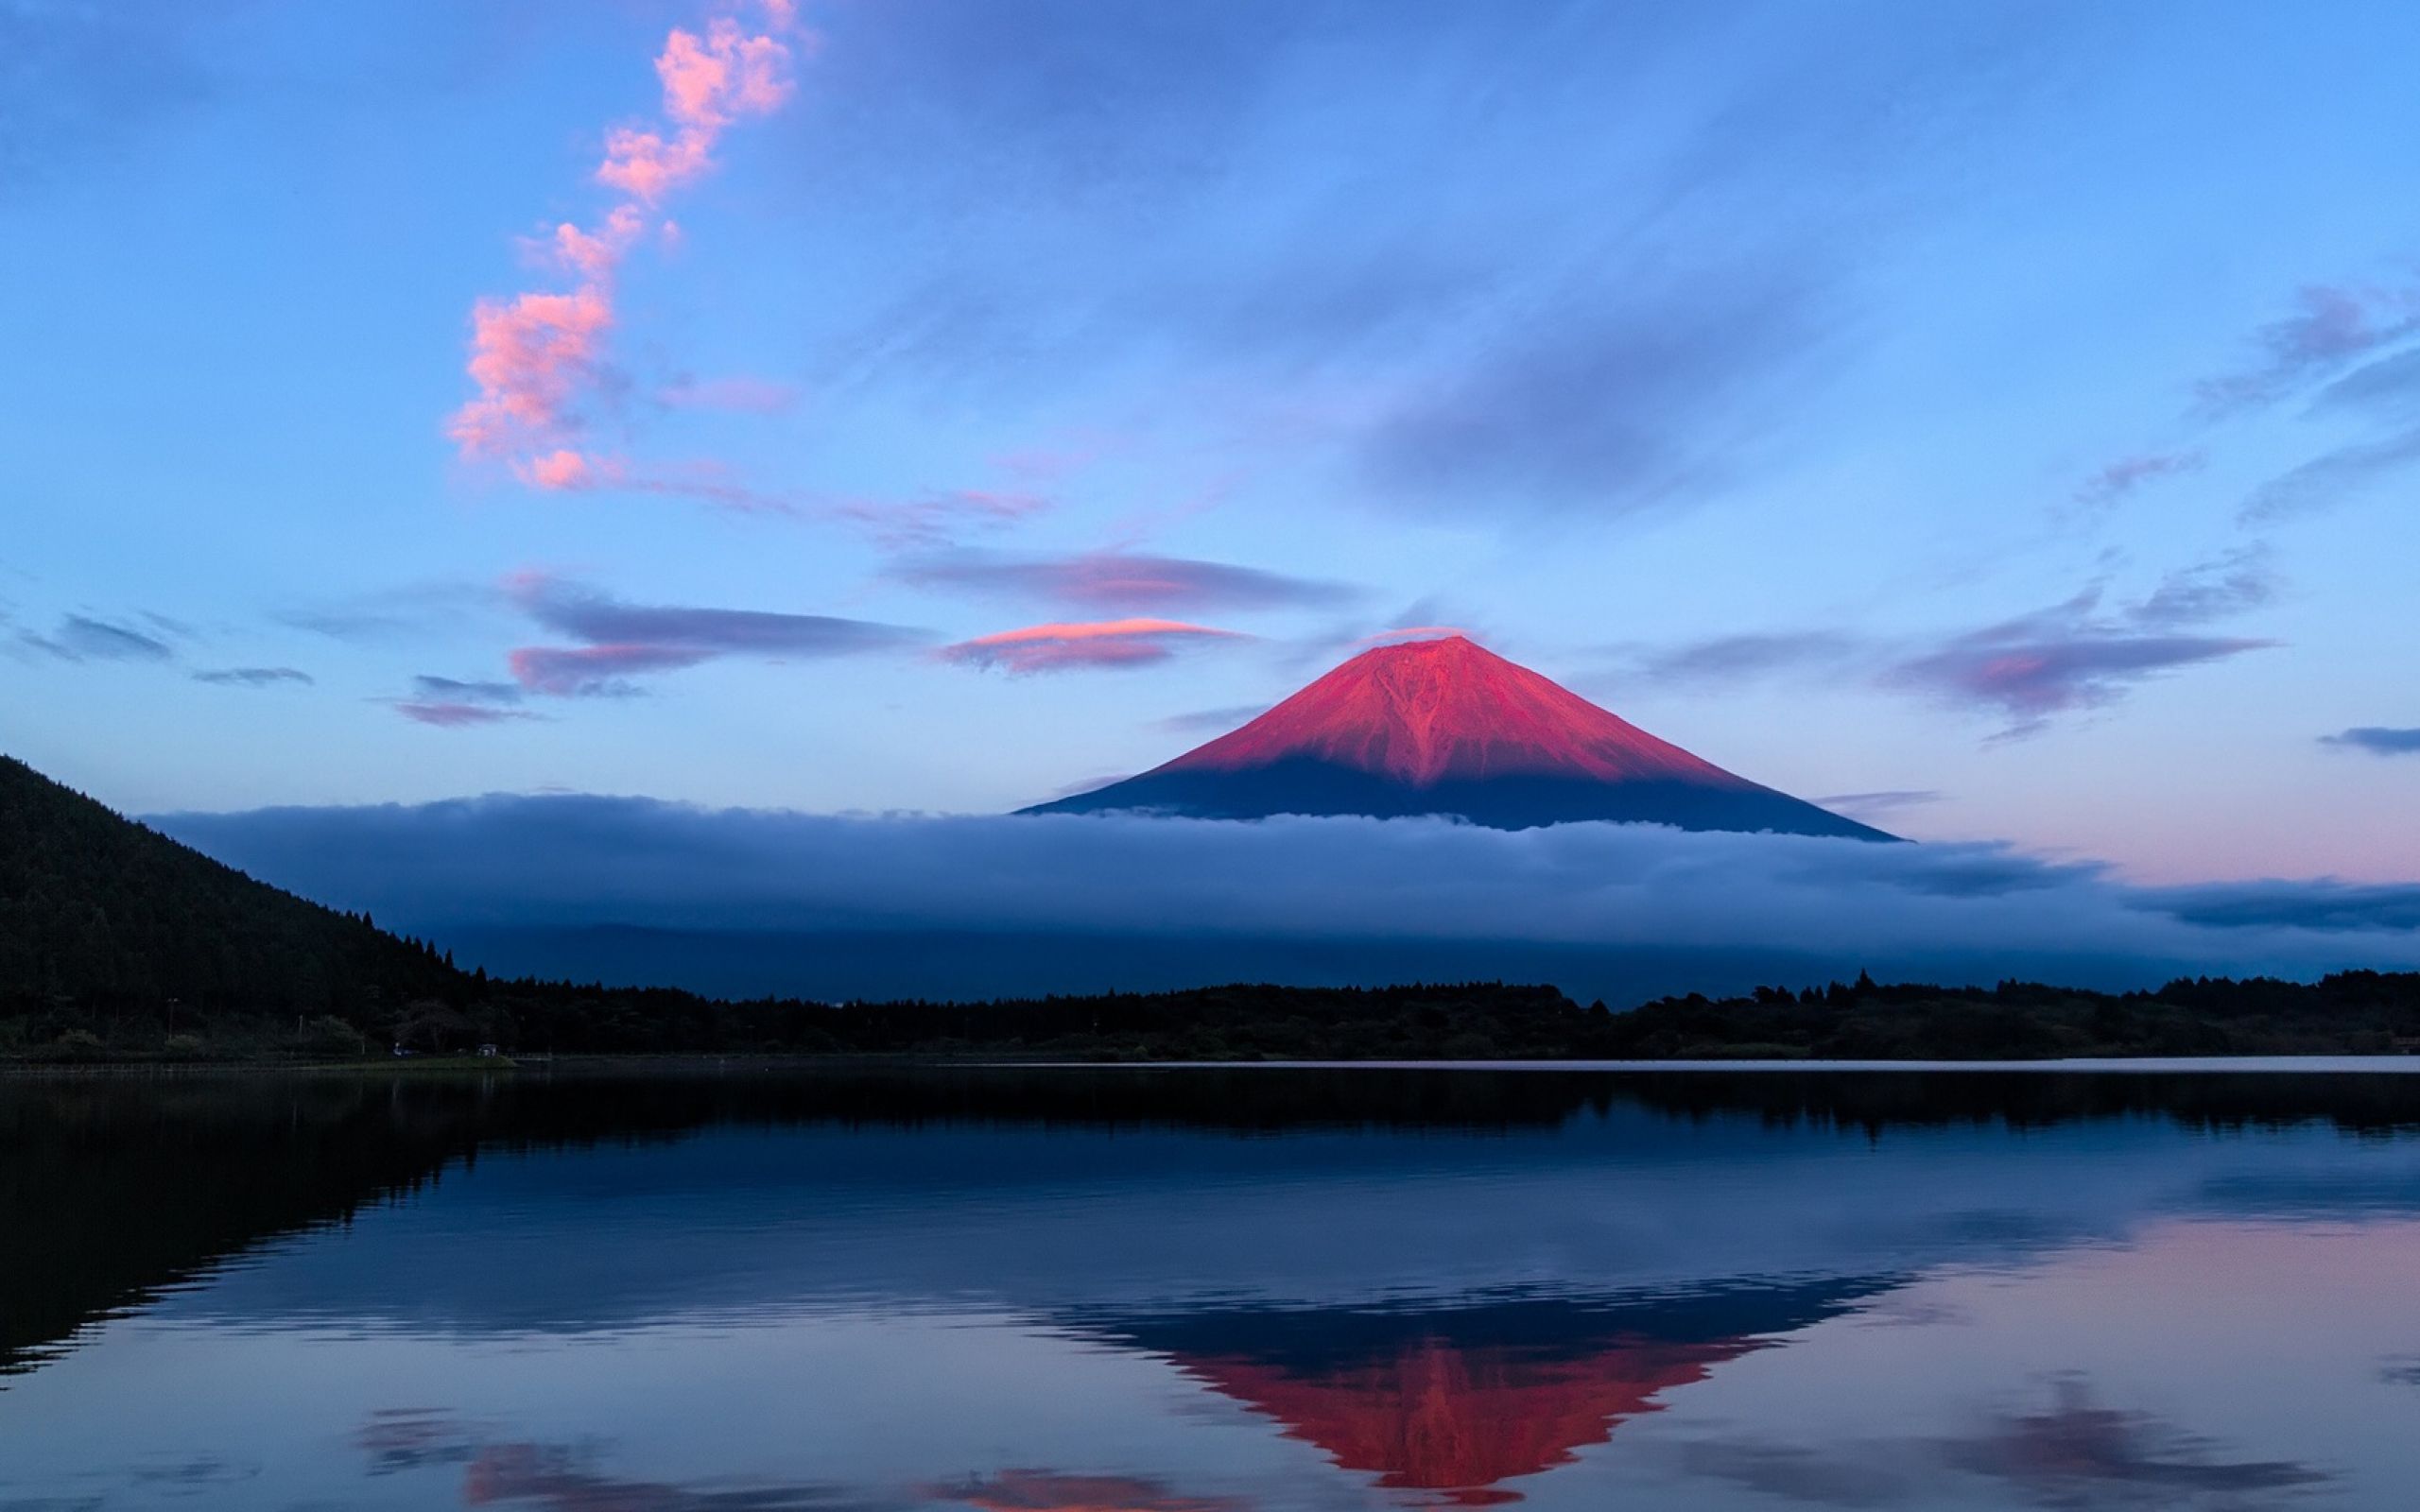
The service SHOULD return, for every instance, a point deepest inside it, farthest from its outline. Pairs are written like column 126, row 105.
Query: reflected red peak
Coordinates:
column 1423, row 712
column 1454, row 1420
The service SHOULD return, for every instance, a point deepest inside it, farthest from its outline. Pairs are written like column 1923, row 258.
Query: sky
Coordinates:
column 1996, row 420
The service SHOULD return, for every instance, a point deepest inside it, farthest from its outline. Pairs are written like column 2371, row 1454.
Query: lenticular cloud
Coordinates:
column 838, row 905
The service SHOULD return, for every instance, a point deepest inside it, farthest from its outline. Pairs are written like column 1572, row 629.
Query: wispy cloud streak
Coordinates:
column 2128, row 474
column 254, row 676
column 619, row 639
column 81, row 638
column 2331, row 326
column 1116, row 581
column 455, row 703
column 2077, row 655
column 2378, row 740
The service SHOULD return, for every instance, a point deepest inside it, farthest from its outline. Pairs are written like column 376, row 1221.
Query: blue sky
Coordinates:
column 2008, row 413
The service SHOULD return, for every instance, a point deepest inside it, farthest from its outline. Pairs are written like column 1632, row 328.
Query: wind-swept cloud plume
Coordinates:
column 536, row 358
column 1114, row 582
column 2378, row 740
column 617, row 639
column 254, row 676
column 1087, row 645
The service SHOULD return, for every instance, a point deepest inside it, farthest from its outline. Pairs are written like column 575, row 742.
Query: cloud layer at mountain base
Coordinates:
column 744, row 901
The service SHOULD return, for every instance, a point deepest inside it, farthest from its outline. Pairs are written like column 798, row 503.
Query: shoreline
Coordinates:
column 2383, row 1063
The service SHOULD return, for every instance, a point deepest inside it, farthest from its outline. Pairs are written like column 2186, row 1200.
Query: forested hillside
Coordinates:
column 104, row 921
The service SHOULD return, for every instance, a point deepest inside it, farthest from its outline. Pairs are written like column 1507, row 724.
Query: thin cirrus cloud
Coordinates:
column 1887, row 801
column 446, row 714
column 455, row 703
column 615, row 639
column 1085, row 646
column 1120, row 582
column 2074, row 656
column 537, row 358
column 2030, row 668
column 2329, row 477
column 2123, row 476
column 1197, row 722
column 1749, row 656
column 745, row 396
column 936, row 520
column 82, row 638
column 2331, row 327
column 2080, row 655
column 1621, row 406
column 2350, row 341
column 254, row 676
column 2378, row 740
column 2356, row 339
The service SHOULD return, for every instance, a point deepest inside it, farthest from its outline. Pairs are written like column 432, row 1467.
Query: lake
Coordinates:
column 1211, row 1290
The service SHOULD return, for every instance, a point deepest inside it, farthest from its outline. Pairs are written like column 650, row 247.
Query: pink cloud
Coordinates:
column 590, row 671
column 708, row 82
column 565, row 469
column 529, row 358
column 728, row 73
column 1059, row 647
column 646, row 167
column 595, row 254
column 535, row 357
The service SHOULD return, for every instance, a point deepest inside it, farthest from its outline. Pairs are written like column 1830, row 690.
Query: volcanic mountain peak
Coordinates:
column 1446, row 727
column 1423, row 712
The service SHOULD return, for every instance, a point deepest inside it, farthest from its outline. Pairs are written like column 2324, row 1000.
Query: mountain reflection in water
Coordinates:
column 1208, row 1291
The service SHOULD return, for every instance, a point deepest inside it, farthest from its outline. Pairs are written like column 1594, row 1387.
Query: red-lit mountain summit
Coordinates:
column 1447, row 727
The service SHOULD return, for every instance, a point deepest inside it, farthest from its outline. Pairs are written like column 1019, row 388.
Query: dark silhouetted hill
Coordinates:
column 103, row 920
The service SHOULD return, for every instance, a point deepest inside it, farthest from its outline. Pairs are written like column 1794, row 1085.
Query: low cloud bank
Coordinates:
column 754, row 900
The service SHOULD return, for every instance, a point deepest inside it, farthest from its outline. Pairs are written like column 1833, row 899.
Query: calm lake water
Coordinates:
column 1211, row 1290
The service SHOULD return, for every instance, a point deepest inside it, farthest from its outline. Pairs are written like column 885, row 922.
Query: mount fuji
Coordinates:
column 1447, row 727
